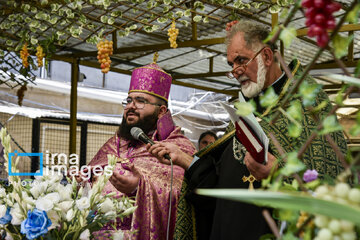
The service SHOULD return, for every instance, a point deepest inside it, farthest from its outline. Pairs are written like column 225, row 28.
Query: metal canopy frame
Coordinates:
column 198, row 62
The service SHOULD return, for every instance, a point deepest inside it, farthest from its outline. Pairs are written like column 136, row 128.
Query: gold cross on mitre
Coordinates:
column 249, row 179
column 156, row 56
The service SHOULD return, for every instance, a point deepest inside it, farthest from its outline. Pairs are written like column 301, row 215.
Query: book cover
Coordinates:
column 249, row 133
column 250, row 141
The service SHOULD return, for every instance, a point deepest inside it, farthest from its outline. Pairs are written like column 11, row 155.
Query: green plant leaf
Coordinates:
column 294, row 130
column 187, row 13
column 292, row 201
column 341, row 44
column 353, row 15
column 197, row 18
column 295, row 110
column 344, row 78
column 269, row 98
column 293, row 165
column 357, row 70
column 179, row 14
column 309, row 92
column 271, row 34
column 287, row 35
column 330, row 124
column 274, row 8
column 244, row 108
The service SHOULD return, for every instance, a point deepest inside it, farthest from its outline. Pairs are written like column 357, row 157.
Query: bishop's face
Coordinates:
column 140, row 110
column 248, row 66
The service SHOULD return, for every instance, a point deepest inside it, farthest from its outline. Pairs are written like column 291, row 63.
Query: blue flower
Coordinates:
column 7, row 218
column 36, row 224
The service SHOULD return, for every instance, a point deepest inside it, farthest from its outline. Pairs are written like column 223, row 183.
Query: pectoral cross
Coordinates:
column 249, row 179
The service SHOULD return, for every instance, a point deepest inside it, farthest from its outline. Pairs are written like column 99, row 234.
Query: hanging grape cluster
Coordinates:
column 40, row 55
column 173, row 32
column 24, row 54
column 319, row 18
column 105, row 50
column 330, row 228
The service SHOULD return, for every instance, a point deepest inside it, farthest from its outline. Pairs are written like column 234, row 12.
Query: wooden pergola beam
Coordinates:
column 344, row 28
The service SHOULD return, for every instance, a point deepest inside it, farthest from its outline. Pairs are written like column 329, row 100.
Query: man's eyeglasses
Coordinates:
column 139, row 102
column 242, row 67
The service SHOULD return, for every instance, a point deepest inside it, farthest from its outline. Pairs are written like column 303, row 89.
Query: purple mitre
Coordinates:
column 151, row 79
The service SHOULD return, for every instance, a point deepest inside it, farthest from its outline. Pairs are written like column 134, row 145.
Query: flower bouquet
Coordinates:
column 47, row 209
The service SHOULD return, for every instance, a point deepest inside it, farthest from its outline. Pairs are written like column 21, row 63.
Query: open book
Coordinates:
column 249, row 133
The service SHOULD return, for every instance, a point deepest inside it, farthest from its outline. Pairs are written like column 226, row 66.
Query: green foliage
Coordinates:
column 355, row 130
column 244, row 108
column 309, row 92
column 357, row 70
column 339, row 99
column 269, row 98
column 341, row 45
column 274, row 9
column 197, row 18
column 330, row 124
column 287, row 35
column 290, row 200
column 295, row 110
column 294, row 130
column 353, row 16
column 293, row 165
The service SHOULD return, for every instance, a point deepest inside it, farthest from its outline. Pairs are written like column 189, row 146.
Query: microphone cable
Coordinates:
column 170, row 196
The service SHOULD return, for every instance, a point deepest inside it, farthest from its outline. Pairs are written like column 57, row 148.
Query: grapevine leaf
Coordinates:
column 269, row 98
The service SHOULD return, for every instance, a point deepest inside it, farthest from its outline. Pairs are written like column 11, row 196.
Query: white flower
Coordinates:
column 54, row 197
column 38, row 188
column 44, row 204
column 2, row 192
column 70, row 215
column 65, row 191
column 107, row 206
column 3, row 209
column 28, row 202
column 83, row 203
column 65, row 205
column 8, row 237
column 110, row 215
column 129, row 211
column 16, row 214
column 54, row 217
column 119, row 235
column 85, row 235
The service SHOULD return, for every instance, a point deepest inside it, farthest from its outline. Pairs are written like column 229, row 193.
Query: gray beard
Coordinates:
column 253, row 89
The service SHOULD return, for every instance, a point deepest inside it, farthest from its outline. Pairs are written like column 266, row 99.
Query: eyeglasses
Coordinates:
column 242, row 67
column 139, row 102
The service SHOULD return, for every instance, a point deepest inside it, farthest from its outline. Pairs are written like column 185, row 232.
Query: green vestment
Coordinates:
column 319, row 155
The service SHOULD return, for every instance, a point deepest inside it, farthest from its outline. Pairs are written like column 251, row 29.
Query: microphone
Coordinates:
column 138, row 134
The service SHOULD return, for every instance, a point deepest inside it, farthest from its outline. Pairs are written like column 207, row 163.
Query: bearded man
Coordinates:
column 138, row 173
column 227, row 164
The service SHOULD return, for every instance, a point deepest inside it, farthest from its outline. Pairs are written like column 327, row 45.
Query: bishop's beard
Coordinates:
column 147, row 124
